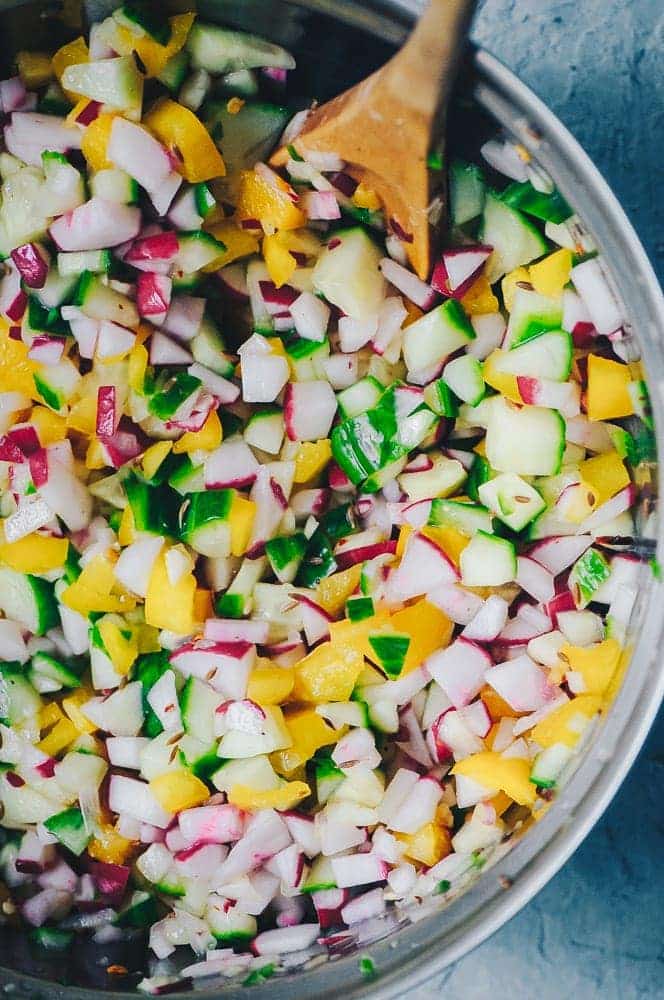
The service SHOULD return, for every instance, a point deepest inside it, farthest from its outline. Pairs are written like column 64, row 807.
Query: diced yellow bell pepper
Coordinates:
column 155, row 56
column 72, row 708
column 605, row 474
column 127, row 528
column 550, row 275
column 451, row 541
column 509, row 284
column 206, row 439
column 177, row 790
column 49, row 715
column 203, row 605
column 333, row 591
column 328, row 673
column 122, row 650
column 366, row 197
column 154, row 456
column 34, row 553
column 82, row 416
column 507, row 774
column 170, row 606
column 109, row 846
column 61, row 735
column 34, row 68
column 311, row 458
column 607, row 395
column 286, row 797
column 558, row 726
column 50, row 426
column 97, row 589
column 309, row 732
column 238, row 242
column 279, row 260
column 501, row 381
column 71, row 54
column 181, row 131
column 596, row 664
column 270, row 685
column 241, row 521
column 428, row 845
column 479, row 299
column 16, row 368
column 271, row 205
column 94, row 142
column 138, row 362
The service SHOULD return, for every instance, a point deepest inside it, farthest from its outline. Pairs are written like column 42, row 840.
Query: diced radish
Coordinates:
column 232, row 464
column 107, row 414
column 285, row 939
column 460, row 670
column 558, row 554
column 184, row 317
column 13, row 299
column 96, row 225
column 161, row 246
column 489, row 620
column 309, row 409
column 356, row 748
column 591, row 283
column 113, row 340
column 232, row 630
column 32, row 261
column 315, row 620
column 30, row 134
column 535, row 579
column 225, row 392
column 458, row 269
column 489, row 332
column 233, row 277
column 419, row 806
column 358, row 869
column 128, row 795
column 46, row 350
column 424, row 567
column 418, row 291
column 608, row 511
column 521, row 683
column 220, row 824
column 503, row 157
column 164, row 351
column 310, row 316
column 139, row 154
column 263, row 377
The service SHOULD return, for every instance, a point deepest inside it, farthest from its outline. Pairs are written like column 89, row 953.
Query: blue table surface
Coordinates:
column 595, row 931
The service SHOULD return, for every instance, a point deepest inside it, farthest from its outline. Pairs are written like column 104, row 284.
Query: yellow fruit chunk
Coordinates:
column 428, row 845
column 181, row 131
column 308, row 732
column 271, row 204
column 153, row 457
column 328, row 673
column 177, row 790
column 286, row 797
column 138, row 362
column 238, row 242
column 596, row 664
column 414, row 313
column 63, row 733
column 270, row 685
column 495, row 705
column 82, row 416
column 94, row 142
column 127, row 528
column 333, row 591
column 451, row 541
column 206, row 439
column 109, row 846
column 155, row 56
column 167, row 605
column 241, row 521
column 72, row 708
column 311, row 458
column 605, row 474
column 279, row 260
column 366, row 197
column 500, row 381
column 500, row 803
column 405, row 531
column 560, row 726
column 16, row 368
column 429, row 629
column 34, row 68
column 97, row 589
column 510, row 282
column 507, row 774
column 122, row 649
column 49, row 426
column 607, row 395
column 550, row 275
column 580, row 501
column 479, row 299
column 34, row 553
column 203, row 606
column 71, row 54
column 49, row 715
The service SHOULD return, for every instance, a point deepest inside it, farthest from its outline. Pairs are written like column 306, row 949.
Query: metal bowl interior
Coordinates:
column 337, row 43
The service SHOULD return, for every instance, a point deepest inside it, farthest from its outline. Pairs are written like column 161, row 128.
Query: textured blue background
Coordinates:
column 596, row 930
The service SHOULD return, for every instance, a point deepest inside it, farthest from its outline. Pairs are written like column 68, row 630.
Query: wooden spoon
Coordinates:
column 386, row 126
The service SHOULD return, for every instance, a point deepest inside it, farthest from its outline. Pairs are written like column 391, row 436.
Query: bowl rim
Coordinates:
column 416, row 953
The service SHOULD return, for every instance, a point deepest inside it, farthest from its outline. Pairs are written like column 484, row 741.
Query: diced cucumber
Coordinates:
column 42, row 319
column 100, row 301
column 468, row 518
column 58, row 289
column 587, row 575
column 529, row 440
column 360, row 607
column 321, row 876
column 348, row 275
column 247, row 136
column 550, row 207
column 116, row 82
column 328, row 778
column 439, row 397
column 390, row 652
column 195, row 89
column 57, row 383
column 531, row 315
column 206, row 522
column 360, row 397
column 197, row 250
column 187, row 477
column 467, row 192
column 95, row 261
column 171, row 392
column 51, row 938
column 155, row 509
column 70, row 829
column 512, row 500
column 144, row 19
column 198, row 703
column 49, row 674
column 192, row 207
column 242, row 82
column 254, row 772
column 141, row 911
column 285, row 554
column 114, row 185
column 28, row 600
column 442, row 480
column 237, row 600
column 514, row 239
column 171, row 884
column 18, row 699
column 436, row 335
column 175, row 71
column 201, row 758
column 220, row 50
column 480, row 472
column 549, row 764
column 549, row 355
column 208, row 348
column 147, row 669
column 265, row 430
column 488, row 561
column 229, row 923
column 464, row 377
column 64, row 187
column 307, row 357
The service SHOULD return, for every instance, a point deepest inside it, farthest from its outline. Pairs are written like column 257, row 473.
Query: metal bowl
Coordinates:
column 337, row 42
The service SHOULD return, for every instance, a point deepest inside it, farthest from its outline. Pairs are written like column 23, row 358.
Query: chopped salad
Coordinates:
column 314, row 576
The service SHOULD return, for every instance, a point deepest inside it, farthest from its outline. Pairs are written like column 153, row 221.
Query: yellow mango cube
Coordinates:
column 286, row 797
column 428, row 845
column 127, row 528
column 509, row 285
column 308, row 732
column 122, row 650
column 50, row 426
column 138, row 363
column 311, row 458
column 559, row 725
column 366, row 197
column 97, row 589
column 152, row 54
column 177, row 790
column 109, row 846
column 94, row 142
column 328, row 673
column 507, row 774
column 16, row 368
column 605, row 474
column 49, row 715
column 206, row 439
column 596, row 663
column 500, row 381
column 270, row 685
column 550, row 275
column 170, row 606
column 238, row 242
column 34, row 68
column 479, row 300
column 271, row 204
column 279, row 260
column 181, row 131
column 34, row 553
column 333, row 591
column 608, row 393
column 154, row 455
column 61, row 735
column 72, row 708
column 241, row 520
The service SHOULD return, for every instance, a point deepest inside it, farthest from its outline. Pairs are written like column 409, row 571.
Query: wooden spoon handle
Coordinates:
column 422, row 72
